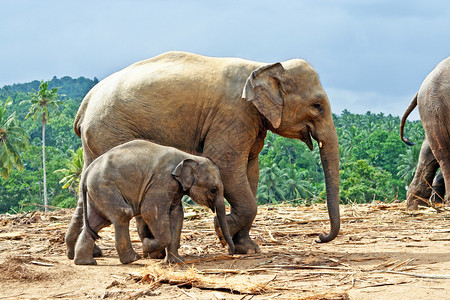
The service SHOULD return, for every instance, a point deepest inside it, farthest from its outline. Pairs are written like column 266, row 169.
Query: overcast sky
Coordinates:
column 371, row 55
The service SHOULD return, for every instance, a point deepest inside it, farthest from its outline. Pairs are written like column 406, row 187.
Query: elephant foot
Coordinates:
column 70, row 253
column 242, row 242
column 158, row 254
column 84, row 261
column 148, row 246
column 97, row 252
column 129, row 257
column 245, row 246
column 413, row 204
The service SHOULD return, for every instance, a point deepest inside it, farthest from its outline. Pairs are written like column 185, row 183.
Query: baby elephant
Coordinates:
column 140, row 178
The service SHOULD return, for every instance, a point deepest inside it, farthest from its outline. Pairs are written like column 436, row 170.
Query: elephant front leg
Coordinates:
column 145, row 233
column 253, row 174
column 243, row 211
column 156, row 212
column 161, row 241
column 176, row 224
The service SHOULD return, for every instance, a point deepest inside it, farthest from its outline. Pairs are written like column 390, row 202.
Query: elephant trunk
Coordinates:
column 221, row 218
column 329, row 154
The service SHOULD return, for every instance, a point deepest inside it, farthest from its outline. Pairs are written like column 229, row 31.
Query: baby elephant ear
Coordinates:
column 184, row 173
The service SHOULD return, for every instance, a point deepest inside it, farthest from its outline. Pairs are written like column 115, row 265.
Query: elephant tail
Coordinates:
column 410, row 108
column 76, row 125
column 83, row 195
column 79, row 116
column 81, row 112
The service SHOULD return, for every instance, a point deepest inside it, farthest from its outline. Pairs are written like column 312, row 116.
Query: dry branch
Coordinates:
column 11, row 236
column 206, row 259
column 297, row 267
column 39, row 263
column 407, row 261
column 420, row 275
column 383, row 284
column 343, row 219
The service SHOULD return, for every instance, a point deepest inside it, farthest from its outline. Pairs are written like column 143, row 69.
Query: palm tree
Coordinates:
column 408, row 164
column 12, row 139
column 294, row 185
column 41, row 103
column 268, row 188
column 72, row 172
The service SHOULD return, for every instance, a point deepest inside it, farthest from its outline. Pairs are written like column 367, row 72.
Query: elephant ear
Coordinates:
column 184, row 173
column 263, row 89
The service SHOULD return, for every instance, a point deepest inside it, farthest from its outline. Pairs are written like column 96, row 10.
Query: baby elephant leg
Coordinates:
column 85, row 243
column 123, row 242
column 144, row 232
column 176, row 224
column 160, row 226
column 120, row 213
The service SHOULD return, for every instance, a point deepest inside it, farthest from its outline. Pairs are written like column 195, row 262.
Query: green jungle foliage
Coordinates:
column 24, row 190
column 375, row 163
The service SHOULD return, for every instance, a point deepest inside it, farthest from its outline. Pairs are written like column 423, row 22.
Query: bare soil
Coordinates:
column 382, row 252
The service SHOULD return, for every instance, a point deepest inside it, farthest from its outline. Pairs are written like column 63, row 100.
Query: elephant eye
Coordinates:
column 318, row 107
column 214, row 190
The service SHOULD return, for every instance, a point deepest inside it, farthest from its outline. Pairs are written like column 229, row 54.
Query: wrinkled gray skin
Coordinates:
column 438, row 193
column 433, row 102
column 419, row 189
column 221, row 108
column 140, row 178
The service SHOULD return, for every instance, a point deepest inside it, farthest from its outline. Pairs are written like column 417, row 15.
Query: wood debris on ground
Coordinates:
column 382, row 251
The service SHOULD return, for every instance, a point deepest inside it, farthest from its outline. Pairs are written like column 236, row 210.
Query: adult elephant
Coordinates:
column 433, row 102
column 220, row 108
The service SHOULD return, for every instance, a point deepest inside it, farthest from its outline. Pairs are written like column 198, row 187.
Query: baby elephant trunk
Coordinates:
column 221, row 217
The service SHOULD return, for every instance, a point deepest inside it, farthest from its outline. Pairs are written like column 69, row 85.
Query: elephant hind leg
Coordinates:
column 441, row 151
column 438, row 194
column 445, row 168
column 119, row 212
column 74, row 230
column 419, row 190
column 84, row 249
column 123, row 242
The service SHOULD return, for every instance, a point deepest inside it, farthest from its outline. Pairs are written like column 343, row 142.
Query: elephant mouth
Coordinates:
column 305, row 136
column 212, row 207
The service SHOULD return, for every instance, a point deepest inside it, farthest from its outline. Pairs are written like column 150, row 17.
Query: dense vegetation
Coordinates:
column 24, row 188
column 375, row 164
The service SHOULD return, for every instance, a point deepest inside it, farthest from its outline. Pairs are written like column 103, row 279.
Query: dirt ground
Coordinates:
column 382, row 252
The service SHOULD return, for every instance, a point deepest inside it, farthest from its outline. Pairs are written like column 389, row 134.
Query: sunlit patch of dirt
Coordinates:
column 17, row 268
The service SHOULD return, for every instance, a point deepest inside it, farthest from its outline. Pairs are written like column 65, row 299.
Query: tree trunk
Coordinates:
column 43, row 165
